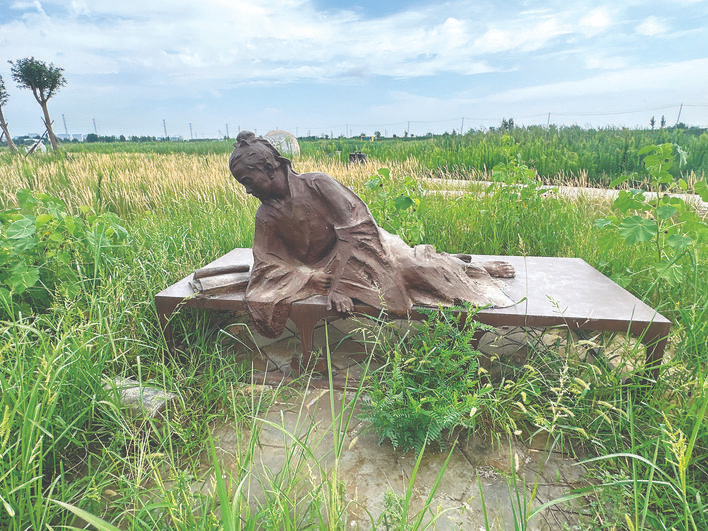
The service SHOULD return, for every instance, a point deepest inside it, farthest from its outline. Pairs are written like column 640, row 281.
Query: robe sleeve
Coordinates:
column 276, row 281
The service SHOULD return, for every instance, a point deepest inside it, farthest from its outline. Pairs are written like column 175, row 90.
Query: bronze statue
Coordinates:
column 314, row 236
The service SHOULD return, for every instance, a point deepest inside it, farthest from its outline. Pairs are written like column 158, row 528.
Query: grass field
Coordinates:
column 64, row 443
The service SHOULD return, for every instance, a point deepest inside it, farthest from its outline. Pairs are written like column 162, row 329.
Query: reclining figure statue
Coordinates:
column 314, row 236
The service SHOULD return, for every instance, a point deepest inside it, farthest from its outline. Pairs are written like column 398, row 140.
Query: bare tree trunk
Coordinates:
column 48, row 125
column 3, row 126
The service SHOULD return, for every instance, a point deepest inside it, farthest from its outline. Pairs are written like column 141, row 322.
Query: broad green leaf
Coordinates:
column 70, row 224
column 630, row 200
column 674, row 201
column 373, row 183
column 652, row 163
column 43, row 219
column 619, row 180
column 671, row 273
column 26, row 199
column 24, row 244
column 683, row 185
column 50, row 199
column 114, row 221
column 647, row 149
column 665, row 212
column 622, row 280
column 636, row 229
column 22, row 277
column 402, row 202
column 384, row 172
column 701, row 188
column 21, row 228
column 678, row 242
column 601, row 223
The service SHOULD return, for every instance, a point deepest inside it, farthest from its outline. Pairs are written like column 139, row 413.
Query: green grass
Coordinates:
column 556, row 153
column 63, row 438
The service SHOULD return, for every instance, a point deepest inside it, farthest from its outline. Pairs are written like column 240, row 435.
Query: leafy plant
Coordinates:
column 44, row 251
column 395, row 205
column 513, row 181
column 429, row 385
column 665, row 226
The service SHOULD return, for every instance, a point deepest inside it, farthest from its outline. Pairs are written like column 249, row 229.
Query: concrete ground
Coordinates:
column 487, row 483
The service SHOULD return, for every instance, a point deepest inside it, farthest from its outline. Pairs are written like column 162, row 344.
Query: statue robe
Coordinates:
column 326, row 227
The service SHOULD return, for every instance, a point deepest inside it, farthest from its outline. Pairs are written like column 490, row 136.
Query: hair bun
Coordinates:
column 244, row 138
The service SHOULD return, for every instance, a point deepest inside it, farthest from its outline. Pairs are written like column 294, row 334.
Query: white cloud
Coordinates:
column 596, row 21
column 132, row 50
column 651, row 26
column 597, row 62
column 693, row 73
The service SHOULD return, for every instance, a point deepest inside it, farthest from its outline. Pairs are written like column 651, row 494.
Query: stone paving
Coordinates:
column 476, row 490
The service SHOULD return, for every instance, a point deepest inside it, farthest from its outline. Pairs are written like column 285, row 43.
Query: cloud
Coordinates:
column 596, row 21
column 595, row 62
column 694, row 74
column 168, row 53
column 240, row 42
column 651, row 26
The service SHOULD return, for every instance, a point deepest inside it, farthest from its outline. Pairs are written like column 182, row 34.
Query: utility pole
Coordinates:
column 679, row 114
column 462, row 127
column 95, row 129
column 191, row 135
column 164, row 126
column 548, row 122
column 227, row 131
column 66, row 130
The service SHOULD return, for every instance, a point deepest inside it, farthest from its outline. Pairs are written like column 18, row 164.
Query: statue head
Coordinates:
column 251, row 151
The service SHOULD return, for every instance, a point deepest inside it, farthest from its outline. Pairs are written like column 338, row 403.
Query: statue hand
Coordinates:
column 339, row 302
column 321, row 281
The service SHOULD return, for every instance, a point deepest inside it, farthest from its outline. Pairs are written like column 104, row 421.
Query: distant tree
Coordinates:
column 377, row 134
column 652, row 122
column 507, row 125
column 44, row 81
column 663, row 121
column 3, row 123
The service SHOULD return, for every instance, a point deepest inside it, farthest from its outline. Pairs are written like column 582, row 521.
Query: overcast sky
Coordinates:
column 328, row 67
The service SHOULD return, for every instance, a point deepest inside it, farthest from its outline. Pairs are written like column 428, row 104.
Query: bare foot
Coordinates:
column 499, row 269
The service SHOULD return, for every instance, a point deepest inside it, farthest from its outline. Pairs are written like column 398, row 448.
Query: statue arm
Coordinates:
column 353, row 225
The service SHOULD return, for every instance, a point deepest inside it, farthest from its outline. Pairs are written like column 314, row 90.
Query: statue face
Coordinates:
column 257, row 180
